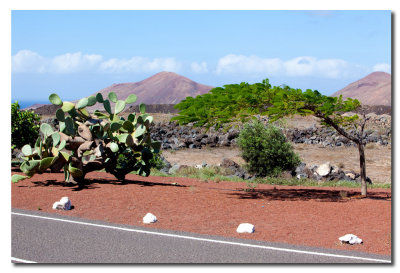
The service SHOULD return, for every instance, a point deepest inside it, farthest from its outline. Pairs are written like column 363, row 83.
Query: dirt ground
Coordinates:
column 296, row 215
column 378, row 158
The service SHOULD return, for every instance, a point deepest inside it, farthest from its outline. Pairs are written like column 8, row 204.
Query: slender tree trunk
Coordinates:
column 362, row 169
column 359, row 141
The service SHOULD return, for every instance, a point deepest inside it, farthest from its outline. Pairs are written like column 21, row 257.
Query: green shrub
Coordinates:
column 24, row 126
column 266, row 150
column 157, row 162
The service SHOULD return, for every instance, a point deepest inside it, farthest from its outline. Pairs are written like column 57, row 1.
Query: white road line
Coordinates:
column 23, row 261
column 204, row 239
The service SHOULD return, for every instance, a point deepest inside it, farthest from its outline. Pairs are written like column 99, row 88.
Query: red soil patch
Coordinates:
column 308, row 216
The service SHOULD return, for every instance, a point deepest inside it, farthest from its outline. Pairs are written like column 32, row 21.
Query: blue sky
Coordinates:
column 76, row 53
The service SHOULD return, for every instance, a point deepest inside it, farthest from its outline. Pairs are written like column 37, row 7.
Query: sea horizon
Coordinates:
column 27, row 103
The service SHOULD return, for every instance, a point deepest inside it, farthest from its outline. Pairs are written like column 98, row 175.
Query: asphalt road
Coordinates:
column 47, row 238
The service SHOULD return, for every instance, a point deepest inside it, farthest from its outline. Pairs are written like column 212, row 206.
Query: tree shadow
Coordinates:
column 91, row 183
column 321, row 195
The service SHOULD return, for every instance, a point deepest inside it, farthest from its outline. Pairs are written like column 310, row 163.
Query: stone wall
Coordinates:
column 174, row 136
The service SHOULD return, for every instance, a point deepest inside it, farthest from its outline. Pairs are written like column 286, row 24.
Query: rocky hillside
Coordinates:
column 161, row 88
column 374, row 89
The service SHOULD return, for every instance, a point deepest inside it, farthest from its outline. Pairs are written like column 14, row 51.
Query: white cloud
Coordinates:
column 199, row 67
column 28, row 61
column 231, row 64
column 296, row 67
column 140, row 64
column 383, row 67
column 310, row 66
column 74, row 62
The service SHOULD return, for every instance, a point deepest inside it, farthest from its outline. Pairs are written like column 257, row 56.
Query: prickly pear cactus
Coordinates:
column 87, row 142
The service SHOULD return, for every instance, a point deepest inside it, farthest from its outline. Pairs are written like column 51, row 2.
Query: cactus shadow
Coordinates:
column 321, row 195
column 94, row 183
column 91, row 183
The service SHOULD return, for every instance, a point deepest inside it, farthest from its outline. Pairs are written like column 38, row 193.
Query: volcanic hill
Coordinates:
column 374, row 89
column 161, row 88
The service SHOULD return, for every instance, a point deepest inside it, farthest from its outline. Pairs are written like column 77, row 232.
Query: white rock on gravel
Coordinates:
column 324, row 169
column 350, row 239
column 245, row 228
column 149, row 218
column 63, row 204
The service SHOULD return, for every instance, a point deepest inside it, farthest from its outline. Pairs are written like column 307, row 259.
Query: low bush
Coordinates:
column 24, row 126
column 157, row 162
column 266, row 150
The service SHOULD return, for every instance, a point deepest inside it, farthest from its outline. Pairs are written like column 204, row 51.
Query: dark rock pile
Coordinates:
column 174, row 136
column 325, row 172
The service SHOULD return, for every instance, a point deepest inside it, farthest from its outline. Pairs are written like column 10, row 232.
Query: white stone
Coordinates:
column 245, row 228
column 56, row 205
column 324, row 169
column 149, row 218
column 350, row 239
column 199, row 167
column 63, row 204
column 351, row 175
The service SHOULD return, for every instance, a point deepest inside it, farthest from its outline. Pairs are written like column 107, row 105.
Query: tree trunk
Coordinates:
column 362, row 169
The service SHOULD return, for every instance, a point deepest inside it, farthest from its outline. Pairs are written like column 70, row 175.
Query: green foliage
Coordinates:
column 24, row 126
column 288, row 101
column 239, row 102
column 85, row 143
column 233, row 102
column 156, row 162
column 266, row 150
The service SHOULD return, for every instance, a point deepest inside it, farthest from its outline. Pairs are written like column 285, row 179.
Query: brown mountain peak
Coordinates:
column 161, row 88
column 373, row 89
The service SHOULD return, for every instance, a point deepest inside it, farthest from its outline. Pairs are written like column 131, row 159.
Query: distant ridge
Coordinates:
column 161, row 88
column 374, row 89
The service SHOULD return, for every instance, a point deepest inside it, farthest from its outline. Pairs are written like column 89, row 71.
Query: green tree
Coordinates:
column 329, row 110
column 24, row 126
column 241, row 102
column 266, row 150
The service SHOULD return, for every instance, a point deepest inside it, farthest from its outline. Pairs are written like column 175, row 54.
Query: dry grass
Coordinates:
column 378, row 159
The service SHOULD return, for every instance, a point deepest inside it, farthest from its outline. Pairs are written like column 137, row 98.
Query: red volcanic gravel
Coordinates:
column 310, row 216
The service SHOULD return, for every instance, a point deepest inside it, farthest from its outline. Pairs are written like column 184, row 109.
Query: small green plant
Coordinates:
column 266, row 150
column 251, row 185
column 24, row 126
column 156, row 162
